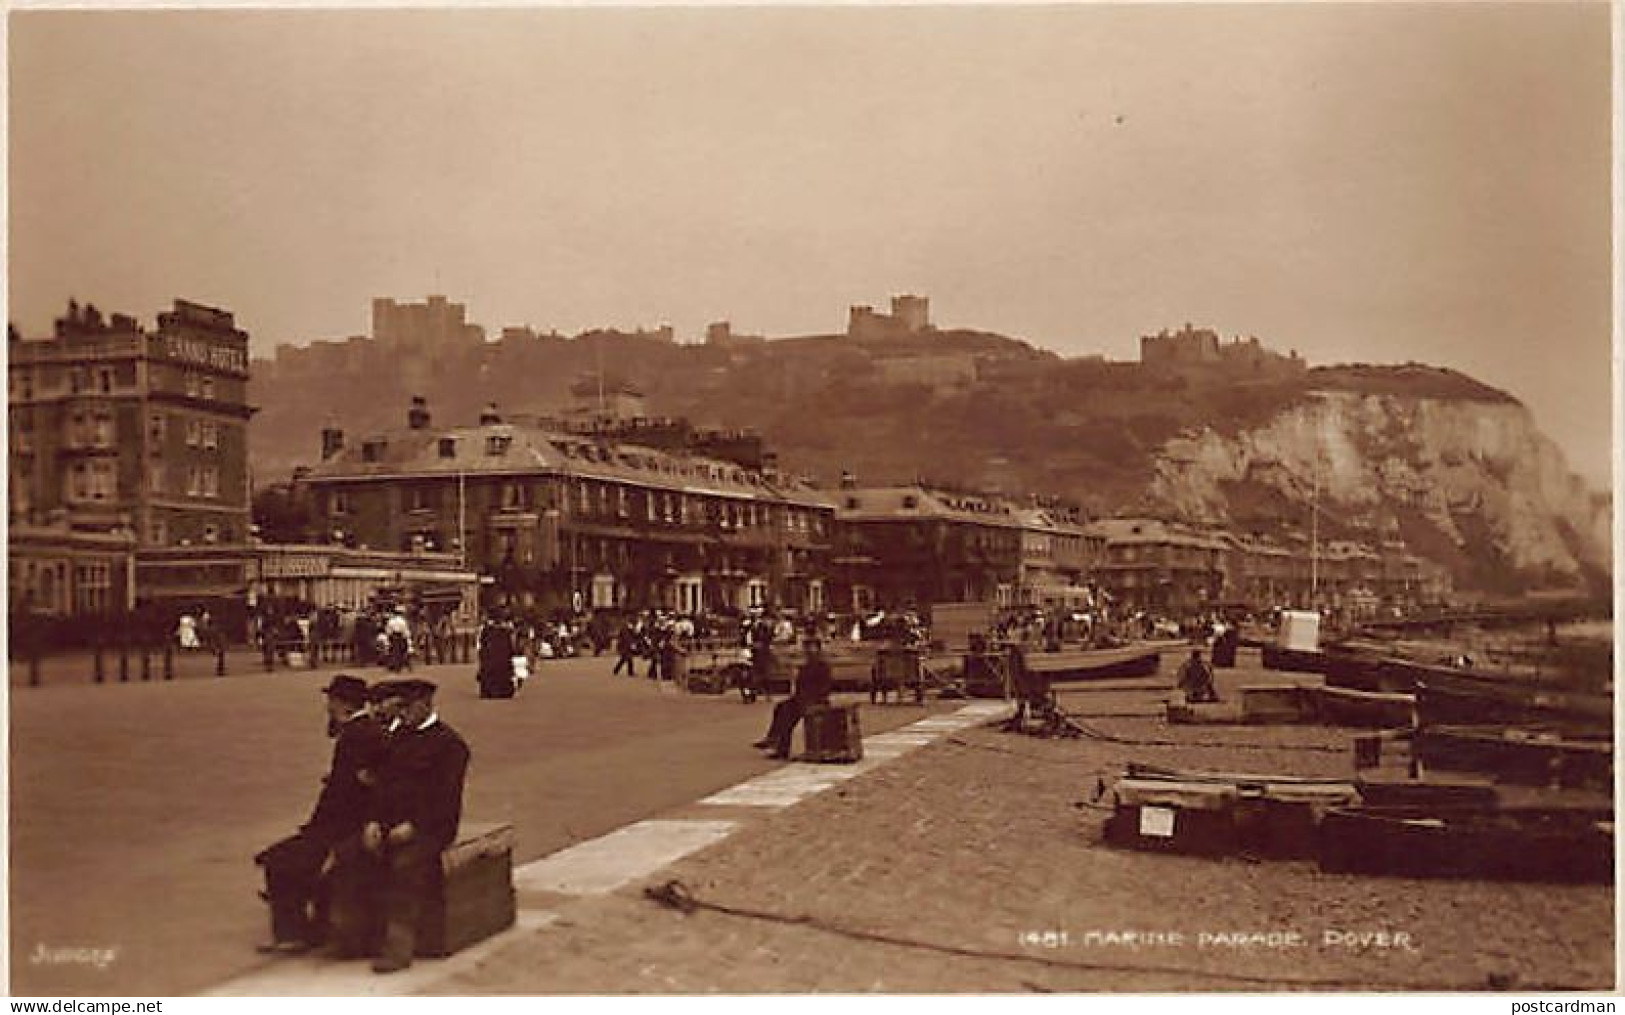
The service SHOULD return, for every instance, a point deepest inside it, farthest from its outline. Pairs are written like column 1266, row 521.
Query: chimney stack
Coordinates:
column 848, row 481
column 489, row 414
column 417, row 417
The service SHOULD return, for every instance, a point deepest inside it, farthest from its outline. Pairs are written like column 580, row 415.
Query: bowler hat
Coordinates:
column 347, row 688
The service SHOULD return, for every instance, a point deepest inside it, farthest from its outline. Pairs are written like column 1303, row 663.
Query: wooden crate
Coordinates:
column 833, row 734
column 474, row 898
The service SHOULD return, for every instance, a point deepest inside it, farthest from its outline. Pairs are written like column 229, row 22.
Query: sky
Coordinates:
column 1362, row 182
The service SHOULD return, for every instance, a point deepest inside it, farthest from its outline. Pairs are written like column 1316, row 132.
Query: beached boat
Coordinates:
column 1217, row 813
column 1519, row 755
column 1344, row 706
column 984, row 672
column 1522, row 844
column 1096, row 664
column 1450, row 697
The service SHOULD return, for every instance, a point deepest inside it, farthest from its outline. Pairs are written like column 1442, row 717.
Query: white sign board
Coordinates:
column 1300, row 631
column 1157, row 822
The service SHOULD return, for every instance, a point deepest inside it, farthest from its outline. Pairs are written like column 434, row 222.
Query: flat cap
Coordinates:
column 412, row 689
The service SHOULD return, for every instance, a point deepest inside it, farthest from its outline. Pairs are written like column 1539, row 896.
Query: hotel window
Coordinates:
column 93, row 586
column 155, row 477
column 211, row 534
column 103, row 480
column 340, row 503
column 191, row 382
column 194, row 433
column 211, row 481
column 155, row 433
column 104, row 379
column 207, row 388
column 157, row 534
column 211, row 435
column 448, row 447
column 95, row 428
column 623, row 502
column 421, row 498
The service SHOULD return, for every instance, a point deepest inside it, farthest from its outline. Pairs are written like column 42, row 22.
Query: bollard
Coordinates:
column 33, row 667
column 146, row 661
column 169, row 661
column 270, row 654
column 124, row 661
column 311, row 656
column 101, row 675
column 220, row 659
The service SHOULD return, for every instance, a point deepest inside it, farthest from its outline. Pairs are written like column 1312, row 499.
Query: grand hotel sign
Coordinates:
column 208, row 354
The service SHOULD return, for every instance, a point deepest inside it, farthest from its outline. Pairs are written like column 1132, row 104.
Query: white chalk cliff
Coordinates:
column 1478, row 472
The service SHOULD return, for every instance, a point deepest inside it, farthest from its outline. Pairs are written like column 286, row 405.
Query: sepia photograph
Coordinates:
column 870, row 499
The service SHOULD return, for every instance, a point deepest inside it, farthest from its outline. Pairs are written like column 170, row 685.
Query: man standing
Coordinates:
column 813, row 682
column 626, row 650
column 293, row 866
column 497, row 649
column 414, row 816
column 761, row 659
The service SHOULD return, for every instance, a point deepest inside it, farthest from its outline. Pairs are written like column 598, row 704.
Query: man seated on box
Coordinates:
column 813, row 682
column 1196, row 679
column 387, row 873
column 293, row 866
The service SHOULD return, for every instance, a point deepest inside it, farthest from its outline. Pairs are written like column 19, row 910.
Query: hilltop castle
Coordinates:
column 910, row 315
column 1191, row 350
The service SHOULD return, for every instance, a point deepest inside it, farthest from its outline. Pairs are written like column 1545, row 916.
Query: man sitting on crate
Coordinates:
column 293, row 866
column 813, row 683
column 386, row 873
column 1196, row 679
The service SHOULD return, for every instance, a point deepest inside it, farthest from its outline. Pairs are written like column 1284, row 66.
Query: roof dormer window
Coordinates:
column 448, row 447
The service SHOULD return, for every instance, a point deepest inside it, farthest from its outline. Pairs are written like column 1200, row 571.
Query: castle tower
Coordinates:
column 912, row 312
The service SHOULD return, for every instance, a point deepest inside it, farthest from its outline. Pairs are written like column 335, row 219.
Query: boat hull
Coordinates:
column 1502, row 845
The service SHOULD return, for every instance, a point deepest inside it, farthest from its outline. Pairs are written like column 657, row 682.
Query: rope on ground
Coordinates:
column 675, row 895
column 1095, row 733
